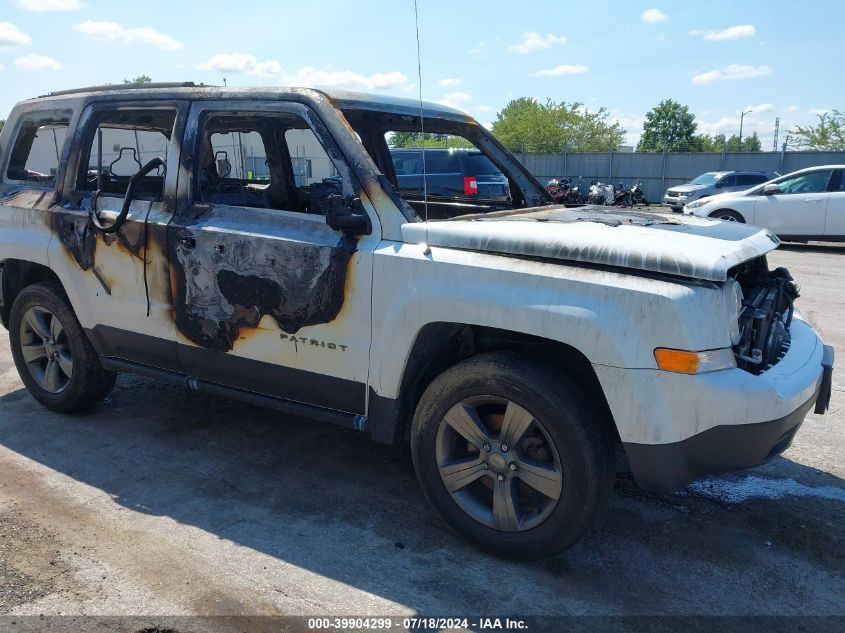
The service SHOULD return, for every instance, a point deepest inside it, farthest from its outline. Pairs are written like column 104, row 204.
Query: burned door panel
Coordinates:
column 227, row 280
column 262, row 285
column 122, row 283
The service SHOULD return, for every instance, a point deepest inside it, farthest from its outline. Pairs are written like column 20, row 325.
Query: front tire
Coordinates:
column 512, row 455
column 53, row 356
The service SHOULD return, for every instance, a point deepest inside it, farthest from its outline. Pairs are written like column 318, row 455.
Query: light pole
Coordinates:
column 741, row 117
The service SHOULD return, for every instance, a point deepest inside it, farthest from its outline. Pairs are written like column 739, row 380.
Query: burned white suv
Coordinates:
column 253, row 243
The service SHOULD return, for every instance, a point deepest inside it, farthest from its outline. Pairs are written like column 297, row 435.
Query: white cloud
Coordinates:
column 732, row 71
column 112, row 31
column 269, row 68
column 632, row 123
column 818, row 111
column 449, row 81
column 763, row 107
column 230, row 63
column 484, row 109
column 731, row 33
column 11, row 36
column 792, row 108
column 310, row 76
column 653, row 16
column 457, row 100
column 560, row 71
column 33, row 61
column 42, row 6
column 479, row 51
column 535, row 42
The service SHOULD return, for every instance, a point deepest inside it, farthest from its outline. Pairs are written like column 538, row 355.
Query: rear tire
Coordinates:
column 728, row 216
column 524, row 501
column 54, row 358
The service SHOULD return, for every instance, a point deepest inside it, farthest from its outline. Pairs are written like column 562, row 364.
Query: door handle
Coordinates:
column 808, row 200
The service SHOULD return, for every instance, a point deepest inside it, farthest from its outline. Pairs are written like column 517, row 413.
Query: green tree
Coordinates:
column 749, row 143
column 416, row 139
column 669, row 126
column 2, row 123
column 525, row 124
column 719, row 143
column 140, row 79
column 828, row 135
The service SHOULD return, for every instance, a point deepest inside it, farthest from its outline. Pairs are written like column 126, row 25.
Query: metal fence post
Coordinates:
column 610, row 165
column 663, row 175
column 565, row 160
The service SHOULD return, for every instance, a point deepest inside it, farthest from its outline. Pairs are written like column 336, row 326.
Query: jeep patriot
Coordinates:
column 254, row 243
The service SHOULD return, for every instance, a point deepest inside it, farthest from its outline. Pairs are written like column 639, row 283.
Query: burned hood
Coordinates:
column 668, row 243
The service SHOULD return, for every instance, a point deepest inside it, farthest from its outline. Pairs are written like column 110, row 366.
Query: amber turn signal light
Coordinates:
column 683, row 362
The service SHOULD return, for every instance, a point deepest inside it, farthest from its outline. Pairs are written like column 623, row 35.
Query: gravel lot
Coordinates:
column 162, row 501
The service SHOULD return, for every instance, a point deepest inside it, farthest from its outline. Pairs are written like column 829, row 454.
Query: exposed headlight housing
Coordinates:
column 733, row 297
column 683, row 362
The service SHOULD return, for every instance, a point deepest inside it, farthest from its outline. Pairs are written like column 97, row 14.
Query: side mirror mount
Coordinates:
column 345, row 214
column 770, row 190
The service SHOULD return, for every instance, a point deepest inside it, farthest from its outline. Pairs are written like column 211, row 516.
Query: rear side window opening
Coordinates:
column 37, row 151
column 121, row 142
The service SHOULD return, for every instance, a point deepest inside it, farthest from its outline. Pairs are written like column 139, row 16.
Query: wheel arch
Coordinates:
column 441, row 345
column 17, row 274
column 715, row 214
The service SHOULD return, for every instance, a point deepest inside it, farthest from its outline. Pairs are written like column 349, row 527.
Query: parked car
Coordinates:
column 450, row 173
column 512, row 350
column 808, row 204
column 710, row 184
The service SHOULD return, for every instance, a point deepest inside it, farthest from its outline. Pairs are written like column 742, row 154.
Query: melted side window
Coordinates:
column 264, row 160
column 120, row 144
column 37, row 151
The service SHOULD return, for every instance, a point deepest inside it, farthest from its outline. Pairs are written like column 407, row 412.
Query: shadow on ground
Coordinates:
column 331, row 501
column 813, row 247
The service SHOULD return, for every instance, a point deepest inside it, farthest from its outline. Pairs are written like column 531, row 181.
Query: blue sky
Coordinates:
column 719, row 58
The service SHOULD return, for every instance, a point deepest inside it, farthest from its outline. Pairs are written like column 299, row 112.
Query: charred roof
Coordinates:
column 343, row 99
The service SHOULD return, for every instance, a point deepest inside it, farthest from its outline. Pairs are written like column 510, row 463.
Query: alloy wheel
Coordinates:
column 498, row 463
column 45, row 349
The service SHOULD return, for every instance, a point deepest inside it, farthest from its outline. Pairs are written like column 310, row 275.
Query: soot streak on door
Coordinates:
column 243, row 278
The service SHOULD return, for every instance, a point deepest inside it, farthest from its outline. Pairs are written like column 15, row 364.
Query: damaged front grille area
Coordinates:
column 765, row 317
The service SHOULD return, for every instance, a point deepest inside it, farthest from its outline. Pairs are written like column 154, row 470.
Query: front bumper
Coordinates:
column 677, row 428
column 676, row 203
column 722, row 449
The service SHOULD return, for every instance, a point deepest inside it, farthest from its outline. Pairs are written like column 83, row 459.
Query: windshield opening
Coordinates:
column 467, row 171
